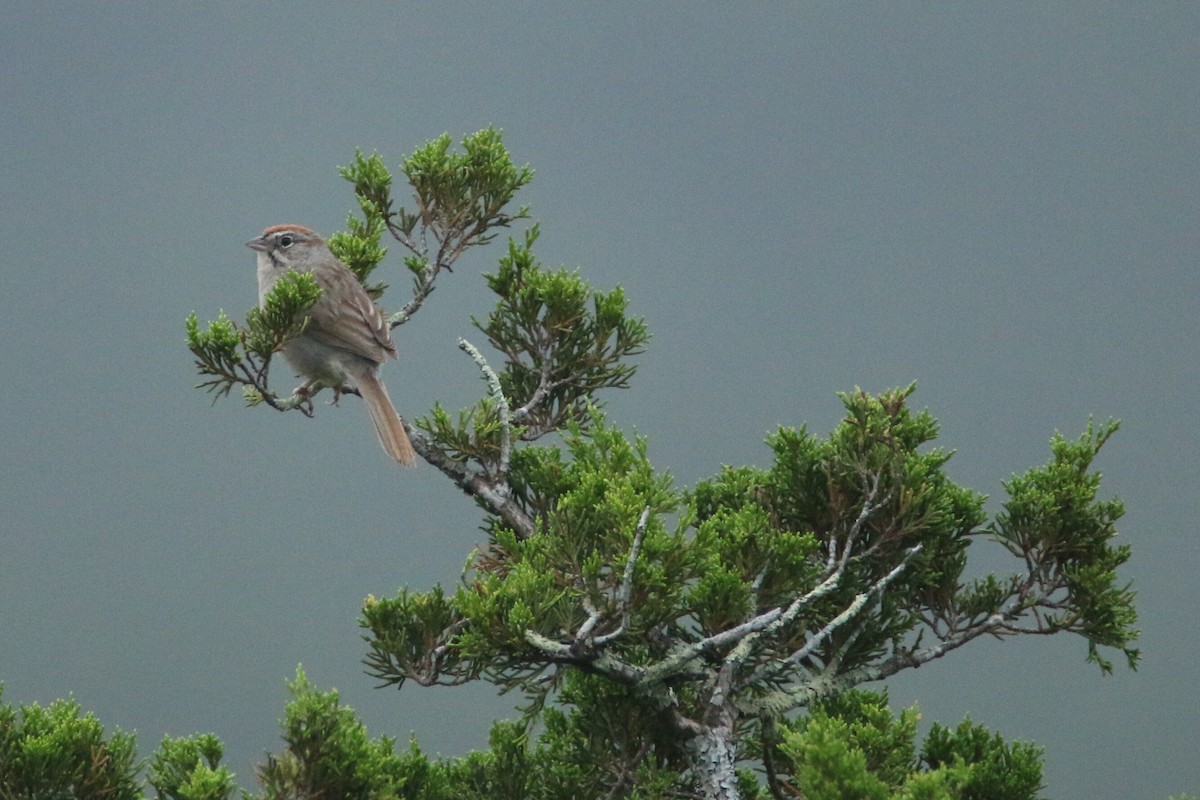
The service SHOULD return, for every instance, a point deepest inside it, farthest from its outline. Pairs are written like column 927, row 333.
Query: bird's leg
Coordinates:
column 338, row 391
column 305, row 391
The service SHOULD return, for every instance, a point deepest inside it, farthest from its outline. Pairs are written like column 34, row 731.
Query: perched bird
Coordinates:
column 347, row 337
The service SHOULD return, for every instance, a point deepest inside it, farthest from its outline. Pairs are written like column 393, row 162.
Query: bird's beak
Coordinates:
column 258, row 243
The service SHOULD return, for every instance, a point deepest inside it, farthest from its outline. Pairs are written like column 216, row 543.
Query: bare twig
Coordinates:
column 627, row 770
column 827, row 682
column 497, row 395
column 423, row 288
column 625, row 593
column 851, row 610
column 585, row 630
column 543, row 389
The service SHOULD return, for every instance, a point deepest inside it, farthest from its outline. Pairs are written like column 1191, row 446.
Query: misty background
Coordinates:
column 1000, row 201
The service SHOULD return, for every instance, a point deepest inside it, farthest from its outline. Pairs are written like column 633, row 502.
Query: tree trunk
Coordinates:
column 712, row 754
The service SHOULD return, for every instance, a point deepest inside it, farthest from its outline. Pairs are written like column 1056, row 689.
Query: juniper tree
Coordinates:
column 702, row 641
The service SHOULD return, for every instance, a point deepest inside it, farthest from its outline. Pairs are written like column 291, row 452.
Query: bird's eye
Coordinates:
column 286, row 240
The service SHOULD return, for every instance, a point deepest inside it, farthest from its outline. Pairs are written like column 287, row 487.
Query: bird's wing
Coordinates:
column 352, row 322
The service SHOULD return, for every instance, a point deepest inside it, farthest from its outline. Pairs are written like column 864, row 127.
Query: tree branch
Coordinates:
column 543, row 389
column 478, row 486
column 827, row 682
column 860, row 600
column 600, row 664
column 753, row 628
column 497, row 395
column 625, row 593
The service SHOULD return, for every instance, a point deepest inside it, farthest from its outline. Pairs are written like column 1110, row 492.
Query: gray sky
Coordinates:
column 1000, row 201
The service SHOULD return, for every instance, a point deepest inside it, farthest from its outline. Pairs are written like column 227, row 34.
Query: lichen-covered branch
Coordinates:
column 499, row 474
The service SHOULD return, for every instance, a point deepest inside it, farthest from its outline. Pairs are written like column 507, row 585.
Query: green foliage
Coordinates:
column 216, row 351
column 604, row 742
column 358, row 247
column 474, row 434
column 663, row 638
column 539, row 584
column 874, row 460
column 460, row 196
column 189, row 769
column 57, row 752
column 282, row 315
column 852, row 746
column 328, row 753
column 406, row 626
column 864, row 719
column 829, row 767
column 460, row 200
column 601, row 741
column 1053, row 512
column 831, row 567
column 562, row 340
column 233, row 355
column 990, row 768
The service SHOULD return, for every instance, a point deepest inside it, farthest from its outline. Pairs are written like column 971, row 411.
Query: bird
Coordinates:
column 347, row 338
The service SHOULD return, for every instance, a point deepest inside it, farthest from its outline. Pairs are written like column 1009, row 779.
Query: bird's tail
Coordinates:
column 388, row 426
